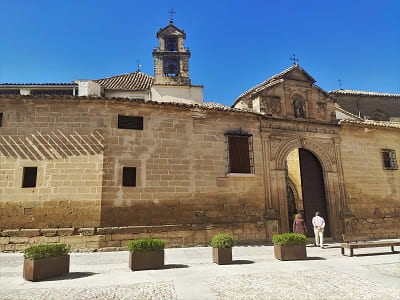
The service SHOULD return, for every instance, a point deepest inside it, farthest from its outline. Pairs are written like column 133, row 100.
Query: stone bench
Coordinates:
column 359, row 241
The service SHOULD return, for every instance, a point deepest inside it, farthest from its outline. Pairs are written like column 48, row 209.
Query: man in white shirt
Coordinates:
column 319, row 225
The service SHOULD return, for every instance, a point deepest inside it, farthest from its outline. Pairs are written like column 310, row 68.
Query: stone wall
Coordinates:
column 372, row 193
column 181, row 163
column 117, row 238
column 64, row 141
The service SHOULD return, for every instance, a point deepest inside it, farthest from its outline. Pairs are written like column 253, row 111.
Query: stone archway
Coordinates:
column 325, row 150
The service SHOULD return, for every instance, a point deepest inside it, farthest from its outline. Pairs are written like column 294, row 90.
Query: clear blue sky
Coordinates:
column 234, row 44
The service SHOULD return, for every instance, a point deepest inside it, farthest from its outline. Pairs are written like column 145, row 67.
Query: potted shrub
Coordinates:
column 46, row 261
column 222, row 248
column 146, row 254
column 290, row 246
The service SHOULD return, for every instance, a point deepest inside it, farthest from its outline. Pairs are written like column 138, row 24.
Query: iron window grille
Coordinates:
column 389, row 159
column 1, row 119
column 240, row 153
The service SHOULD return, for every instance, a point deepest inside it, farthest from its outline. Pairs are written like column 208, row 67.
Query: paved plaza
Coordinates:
column 190, row 274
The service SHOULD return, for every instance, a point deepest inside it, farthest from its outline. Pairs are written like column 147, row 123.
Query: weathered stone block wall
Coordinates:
column 372, row 193
column 181, row 164
column 183, row 191
column 63, row 139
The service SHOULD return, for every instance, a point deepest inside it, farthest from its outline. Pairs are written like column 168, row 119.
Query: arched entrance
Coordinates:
column 305, row 177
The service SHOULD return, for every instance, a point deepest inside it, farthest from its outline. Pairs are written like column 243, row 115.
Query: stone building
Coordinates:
column 142, row 156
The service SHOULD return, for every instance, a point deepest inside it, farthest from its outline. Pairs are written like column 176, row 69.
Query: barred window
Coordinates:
column 389, row 159
column 127, row 122
column 1, row 119
column 240, row 154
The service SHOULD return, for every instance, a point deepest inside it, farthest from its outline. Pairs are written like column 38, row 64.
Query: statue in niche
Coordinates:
column 298, row 107
column 321, row 109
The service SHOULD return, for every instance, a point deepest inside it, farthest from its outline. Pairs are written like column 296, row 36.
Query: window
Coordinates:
column 128, row 176
column 29, row 177
column 240, row 153
column 127, row 122
column 171, row 43
column 389, row 159
column 1, row 119
column 171, row 67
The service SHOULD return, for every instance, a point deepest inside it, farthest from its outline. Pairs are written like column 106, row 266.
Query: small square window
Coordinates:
column 29, row 177
column 389, row 159
column 1, row 119
column 128, row 122
column 128, row 176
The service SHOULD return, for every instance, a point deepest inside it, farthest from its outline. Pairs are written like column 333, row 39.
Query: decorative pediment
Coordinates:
column 171, row 29
column 298, row 73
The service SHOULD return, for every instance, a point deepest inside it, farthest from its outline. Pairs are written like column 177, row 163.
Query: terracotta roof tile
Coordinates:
column 373, row 123
column 362, row 93
column 136, row 81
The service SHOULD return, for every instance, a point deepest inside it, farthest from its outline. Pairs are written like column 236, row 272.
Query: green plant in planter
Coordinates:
column 46, row 251
column 222, row 240
column 289, row 239
column 147, row 244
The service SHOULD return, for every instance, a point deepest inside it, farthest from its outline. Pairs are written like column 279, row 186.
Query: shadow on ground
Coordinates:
column 175, row 266
column 371, row 254
column 242, row 262
column 315, row 258
column 71, row 275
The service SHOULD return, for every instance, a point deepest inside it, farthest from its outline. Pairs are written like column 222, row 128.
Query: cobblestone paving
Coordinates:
column 300, row 285
column 387, row 269
column 148, row 290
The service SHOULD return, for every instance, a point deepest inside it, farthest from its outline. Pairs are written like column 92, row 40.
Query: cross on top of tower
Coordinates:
column 172, row 12
column 295, row 60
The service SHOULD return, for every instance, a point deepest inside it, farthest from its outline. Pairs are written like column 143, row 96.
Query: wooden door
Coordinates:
column 312, row 182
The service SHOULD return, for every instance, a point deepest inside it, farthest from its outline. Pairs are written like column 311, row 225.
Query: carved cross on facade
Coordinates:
column 172, row 12
column 295, row 60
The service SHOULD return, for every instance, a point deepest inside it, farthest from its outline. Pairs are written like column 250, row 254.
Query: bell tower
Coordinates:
column 171, row 58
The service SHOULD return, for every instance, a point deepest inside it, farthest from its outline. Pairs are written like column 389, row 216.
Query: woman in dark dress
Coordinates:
column 299, row 226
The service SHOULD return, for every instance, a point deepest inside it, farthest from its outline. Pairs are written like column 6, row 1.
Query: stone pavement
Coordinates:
column 190, row 274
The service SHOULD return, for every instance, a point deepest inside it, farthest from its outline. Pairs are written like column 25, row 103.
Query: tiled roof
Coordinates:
column 272, row 81
column 136, row 81
column 339, row 108
column 37, row 84
column 362, row 93
column 373, row 123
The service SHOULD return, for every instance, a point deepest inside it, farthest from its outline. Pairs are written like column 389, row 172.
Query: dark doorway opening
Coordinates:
column 306, row 189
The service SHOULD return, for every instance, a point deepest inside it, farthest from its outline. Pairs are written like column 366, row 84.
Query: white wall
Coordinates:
column 178, row 94
column 89, row 88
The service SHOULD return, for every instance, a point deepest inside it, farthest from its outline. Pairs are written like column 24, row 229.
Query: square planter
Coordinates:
column 146, row 260
column 39, row 269
column 222, row 256
column 294, row 252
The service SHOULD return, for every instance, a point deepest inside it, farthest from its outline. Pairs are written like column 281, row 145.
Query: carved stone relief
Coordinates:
column 323, row 149
column 271, row 105
column 321, row 110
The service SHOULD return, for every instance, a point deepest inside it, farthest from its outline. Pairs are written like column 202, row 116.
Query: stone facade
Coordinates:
column 372, row 192
column 183, row 191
